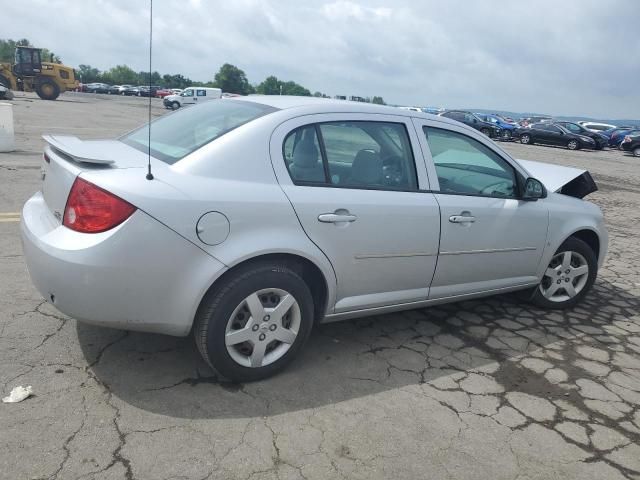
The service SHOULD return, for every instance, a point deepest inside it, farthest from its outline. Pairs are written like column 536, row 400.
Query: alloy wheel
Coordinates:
column 572, row 145
column 565, row 277
column 525, row 139
column 263, row 327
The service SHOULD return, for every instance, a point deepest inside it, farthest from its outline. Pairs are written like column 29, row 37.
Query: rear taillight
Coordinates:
column 90, row 209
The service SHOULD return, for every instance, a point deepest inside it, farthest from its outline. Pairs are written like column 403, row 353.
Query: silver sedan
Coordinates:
column 262, row 216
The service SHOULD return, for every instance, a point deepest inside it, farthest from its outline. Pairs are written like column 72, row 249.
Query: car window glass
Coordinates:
column 468, row 118
column 187, row 93
column 466, row 166
column 572, row 128
column 553, row 128
column 369, row 155
column 201, row 93
column 302, row 156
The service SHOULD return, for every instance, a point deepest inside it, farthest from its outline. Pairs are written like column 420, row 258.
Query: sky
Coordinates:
column 560, row 57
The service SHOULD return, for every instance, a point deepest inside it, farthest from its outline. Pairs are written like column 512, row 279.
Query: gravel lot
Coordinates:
column 492, row 389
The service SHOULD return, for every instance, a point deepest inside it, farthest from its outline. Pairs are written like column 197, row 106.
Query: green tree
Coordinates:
column 378, row 101
column 232, row 79
column 269, row 86
column 121, row 75
column 88, row 74
column 272, row 86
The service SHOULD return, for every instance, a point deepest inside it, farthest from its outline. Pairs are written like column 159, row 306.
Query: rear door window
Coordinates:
column 358, row 154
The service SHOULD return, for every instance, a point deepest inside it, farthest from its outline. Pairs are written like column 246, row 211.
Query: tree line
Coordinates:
column 229, row 77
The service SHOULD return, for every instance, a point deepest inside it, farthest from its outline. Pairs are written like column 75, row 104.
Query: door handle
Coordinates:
column 336, row 217
column 462, row 219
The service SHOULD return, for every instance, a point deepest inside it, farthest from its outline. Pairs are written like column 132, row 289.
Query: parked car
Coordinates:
column 525, row 122
column 124, row 88
column 114, row 89
column 98, row 88
column 471, row 119
column 595, row 126
column 617, row 136
column 552, row 134
column 163, row 92
column 506, row 128
column 600, row 139
column 191, row 96
column 131, row 91
column 271, row 214
column 631, row 143
column 148, row 91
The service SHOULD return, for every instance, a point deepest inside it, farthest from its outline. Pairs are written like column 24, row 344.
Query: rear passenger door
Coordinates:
column 362, row 198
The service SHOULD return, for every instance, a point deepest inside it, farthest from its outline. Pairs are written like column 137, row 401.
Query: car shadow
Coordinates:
column 344, row 360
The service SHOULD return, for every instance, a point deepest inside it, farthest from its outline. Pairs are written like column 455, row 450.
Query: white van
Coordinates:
column 191, row 96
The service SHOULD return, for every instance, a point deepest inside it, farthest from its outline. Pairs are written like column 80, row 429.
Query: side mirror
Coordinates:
column 533, row 190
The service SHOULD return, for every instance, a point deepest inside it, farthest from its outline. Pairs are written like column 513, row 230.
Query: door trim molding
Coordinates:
column 364, row 256
column 491, row 250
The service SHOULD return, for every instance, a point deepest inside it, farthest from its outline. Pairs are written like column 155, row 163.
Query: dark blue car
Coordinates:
column 507, row 128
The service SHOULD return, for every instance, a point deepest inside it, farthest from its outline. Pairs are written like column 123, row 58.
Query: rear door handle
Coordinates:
column 462, row 219
column 336, row 217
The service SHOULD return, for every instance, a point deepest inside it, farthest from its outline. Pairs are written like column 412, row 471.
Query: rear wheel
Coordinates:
column 569, row 276
column 573, row 145
column 525, row 139
column 486, row 131
column 47, row 89
column 636, row 152
column 252, row 325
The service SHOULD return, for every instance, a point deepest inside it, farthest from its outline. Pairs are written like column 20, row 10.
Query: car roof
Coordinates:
column 330, row 105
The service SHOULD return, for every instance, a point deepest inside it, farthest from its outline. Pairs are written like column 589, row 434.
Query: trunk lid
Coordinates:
column 570, row 181
column 66, row 157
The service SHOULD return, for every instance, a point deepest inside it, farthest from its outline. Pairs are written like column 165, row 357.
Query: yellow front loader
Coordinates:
column 30, row 74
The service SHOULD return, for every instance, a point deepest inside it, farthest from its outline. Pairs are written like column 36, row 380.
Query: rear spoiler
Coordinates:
column 78, row 150
column 570, row 181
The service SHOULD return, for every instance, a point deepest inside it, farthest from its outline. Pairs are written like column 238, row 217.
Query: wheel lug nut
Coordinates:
column 272, row 327
column 566, row 280
column 559, row 282
column 262, row 337
column 266, row 318
column 567, row 271
column 255, row 328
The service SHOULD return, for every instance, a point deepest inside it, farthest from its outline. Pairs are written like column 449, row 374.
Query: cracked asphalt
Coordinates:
column 489, row 389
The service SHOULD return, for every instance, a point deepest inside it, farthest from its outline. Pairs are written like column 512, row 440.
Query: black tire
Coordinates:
column 636, row 152
column 174, row 105
column 525, row 139
column 47, row 89
column 573, row 145
column 4, row 81
column 574, row 245
column 221, row 301
column 506, row 135
column 485, row 131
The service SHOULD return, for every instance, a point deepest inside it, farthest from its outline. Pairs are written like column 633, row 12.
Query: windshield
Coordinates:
column 176, row 135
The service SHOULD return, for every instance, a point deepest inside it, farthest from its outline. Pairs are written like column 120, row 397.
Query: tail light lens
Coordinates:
column 90, row 209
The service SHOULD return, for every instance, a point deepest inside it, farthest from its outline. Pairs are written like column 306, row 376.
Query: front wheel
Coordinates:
column 568, row 277
column 256, row 322
column 174, row 105
column 505, row 135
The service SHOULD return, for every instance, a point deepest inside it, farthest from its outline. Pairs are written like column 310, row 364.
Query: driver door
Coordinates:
column 490, row 239
column 188, row 96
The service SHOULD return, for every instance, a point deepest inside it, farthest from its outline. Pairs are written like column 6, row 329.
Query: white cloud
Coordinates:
column 573, row 57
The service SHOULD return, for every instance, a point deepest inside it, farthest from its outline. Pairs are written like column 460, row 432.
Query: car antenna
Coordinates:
column 149, row 174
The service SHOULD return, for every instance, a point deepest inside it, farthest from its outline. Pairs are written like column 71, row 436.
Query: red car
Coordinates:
column 163, row 92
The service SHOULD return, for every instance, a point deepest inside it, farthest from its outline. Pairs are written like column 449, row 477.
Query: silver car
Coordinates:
column 265, row 215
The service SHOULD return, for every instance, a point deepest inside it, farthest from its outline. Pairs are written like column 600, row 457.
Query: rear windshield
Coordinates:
column 177, row 135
